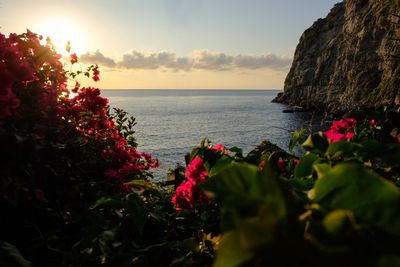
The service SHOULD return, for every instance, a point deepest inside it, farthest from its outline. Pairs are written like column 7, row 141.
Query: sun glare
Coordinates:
column 61, row 31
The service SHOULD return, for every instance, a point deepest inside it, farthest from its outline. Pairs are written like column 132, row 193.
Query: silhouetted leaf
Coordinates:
column 11, row 257
column 107, row 202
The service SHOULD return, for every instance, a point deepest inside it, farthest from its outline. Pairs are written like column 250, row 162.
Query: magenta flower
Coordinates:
column 342, row 130
column 189, row 194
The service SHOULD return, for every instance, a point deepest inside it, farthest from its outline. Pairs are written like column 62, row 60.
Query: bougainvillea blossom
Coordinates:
column 342, row 130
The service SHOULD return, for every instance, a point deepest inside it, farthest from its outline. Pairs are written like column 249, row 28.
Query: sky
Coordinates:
column 173, row 44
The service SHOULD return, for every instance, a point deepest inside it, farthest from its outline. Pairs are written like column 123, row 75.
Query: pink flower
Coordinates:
column 372, row 122
column 189, row 194
column 262, row 164
column 196, row 170
column 280, row 164
column 74, row 58
column 334, row 136
column 96, row 74
column 219, row 147
column 341, row 130
column 183, row 197
column 349, row 135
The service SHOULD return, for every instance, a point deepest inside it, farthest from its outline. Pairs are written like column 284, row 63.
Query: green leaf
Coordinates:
column 389, row 261
column 137, row 211
column 316, row 143
column 260, row 230
column 296, row 139
column 141, row 183
column 336, row 221
column 321, row 169
column 230, row 252
column 237, row 186
column 254, row 200
column 371, row 198
column 305, row 166
column 342, row 149
column 107, row 202
column 389, row 153
column 220, row 165
column 236, row 150
column 302, row 184
column 10, row 256
column 195, row 152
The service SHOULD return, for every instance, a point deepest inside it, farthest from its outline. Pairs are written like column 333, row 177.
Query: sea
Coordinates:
column 170, row 123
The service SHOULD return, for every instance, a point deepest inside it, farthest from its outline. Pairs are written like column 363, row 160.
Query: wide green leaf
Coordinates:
column 11, row 256
column 342, row 149
column 220, row 165
column 107, row 202
column 254, row 200
column 336, row 221
column 137, row 211
column 305, row 166
column 316, row 143
column 373, row 200
column 237, row 186
column 389, row 153
column 231, row 252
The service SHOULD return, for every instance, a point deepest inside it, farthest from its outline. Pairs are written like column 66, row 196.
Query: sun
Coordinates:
column 61, row 31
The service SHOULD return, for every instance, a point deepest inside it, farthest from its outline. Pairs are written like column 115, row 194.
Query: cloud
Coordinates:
column 204, row 59
column 138, row 60
column 97, row 58
column 199, row 59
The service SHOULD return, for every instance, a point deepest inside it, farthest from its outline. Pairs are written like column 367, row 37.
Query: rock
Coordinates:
column 347, row 61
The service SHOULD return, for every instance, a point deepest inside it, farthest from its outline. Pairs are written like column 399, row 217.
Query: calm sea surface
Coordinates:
column 171, row 122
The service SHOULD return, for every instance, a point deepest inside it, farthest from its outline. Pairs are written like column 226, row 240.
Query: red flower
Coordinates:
column 74, row 58
column 219, row 147
column 262, row 164
column 196, row 170
column 372, row 122
column 96, row 74
column 189, row 194
column 341, row 130
column 280, row 164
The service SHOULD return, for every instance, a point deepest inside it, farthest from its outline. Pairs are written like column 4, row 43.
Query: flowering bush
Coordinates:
column 88, row 111
column 62, row 151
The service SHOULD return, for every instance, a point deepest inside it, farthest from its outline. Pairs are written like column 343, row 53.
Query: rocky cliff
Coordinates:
column 348, row 60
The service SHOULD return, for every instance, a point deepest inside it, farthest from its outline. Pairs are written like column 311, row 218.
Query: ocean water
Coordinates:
column 171, row 122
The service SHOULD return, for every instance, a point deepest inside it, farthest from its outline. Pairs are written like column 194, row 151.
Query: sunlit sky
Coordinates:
column 175, row 44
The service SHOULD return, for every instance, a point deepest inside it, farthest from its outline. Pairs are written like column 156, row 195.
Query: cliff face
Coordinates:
column 347, row 60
